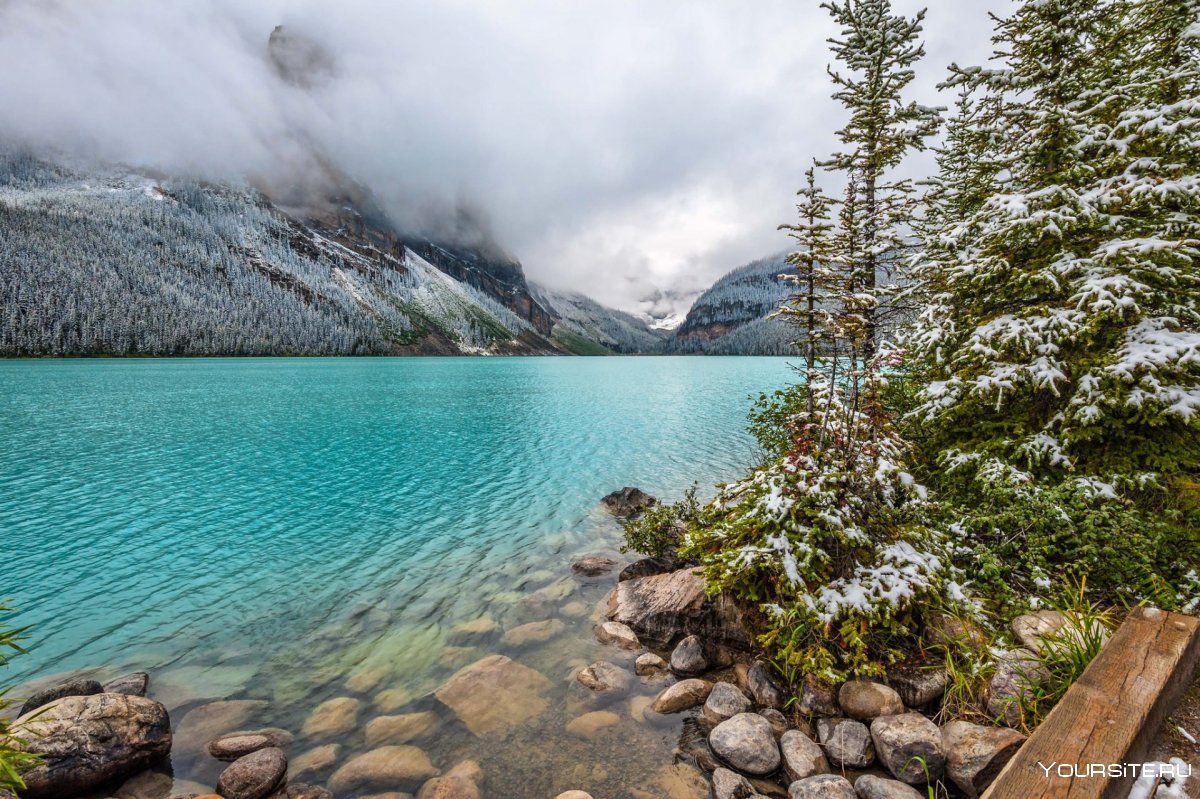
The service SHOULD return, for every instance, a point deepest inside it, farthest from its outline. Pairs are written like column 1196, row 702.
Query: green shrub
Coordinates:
column 1069, row 651
column 12, row 761
column 829, row 547
column 658, row 532
column 1014, row 533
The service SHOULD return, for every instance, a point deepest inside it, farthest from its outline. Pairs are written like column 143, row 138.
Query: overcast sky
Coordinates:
column 618, row 146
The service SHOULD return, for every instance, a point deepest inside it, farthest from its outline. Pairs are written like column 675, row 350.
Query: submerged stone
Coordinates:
column 255, row 776
column 495, row 694
column 386, row 768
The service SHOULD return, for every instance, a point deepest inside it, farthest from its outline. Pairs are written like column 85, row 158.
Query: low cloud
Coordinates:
column 634, row 151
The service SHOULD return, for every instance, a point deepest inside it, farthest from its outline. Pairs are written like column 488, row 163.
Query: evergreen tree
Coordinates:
column 829, row 536
column 878, row 50
column 1063, row 346
column 813, row 263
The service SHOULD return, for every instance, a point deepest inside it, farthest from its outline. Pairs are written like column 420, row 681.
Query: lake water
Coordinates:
column 293, row 530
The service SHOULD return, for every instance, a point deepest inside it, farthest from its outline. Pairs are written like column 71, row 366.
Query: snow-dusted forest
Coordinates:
column 122, row 264
column 731, row 318
column 999, row 417
column 114, row 262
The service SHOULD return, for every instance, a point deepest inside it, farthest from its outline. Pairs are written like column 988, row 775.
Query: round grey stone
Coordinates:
column 822, row 786
column 688, row 657
column 725, row 702
column 747, row 744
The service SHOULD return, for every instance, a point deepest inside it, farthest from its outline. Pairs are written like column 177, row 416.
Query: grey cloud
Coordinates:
column 619, row 148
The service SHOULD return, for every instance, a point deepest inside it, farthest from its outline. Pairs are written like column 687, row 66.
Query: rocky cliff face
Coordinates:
column 497, row 275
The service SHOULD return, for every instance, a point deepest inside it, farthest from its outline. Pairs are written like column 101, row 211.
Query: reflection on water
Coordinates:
column 292, row 531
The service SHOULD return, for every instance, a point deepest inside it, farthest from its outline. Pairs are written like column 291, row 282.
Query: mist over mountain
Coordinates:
column 119, row 262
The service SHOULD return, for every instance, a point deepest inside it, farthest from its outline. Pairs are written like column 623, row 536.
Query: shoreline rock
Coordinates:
column 254, row 776
column 663, row 607
column 45, row 696
column 88, row 741
column 747, row 744
column 628, row 501
column 403, row 768
column 683, row 695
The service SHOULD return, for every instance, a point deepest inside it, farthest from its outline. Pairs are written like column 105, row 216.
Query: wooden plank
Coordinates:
column 1110, row 715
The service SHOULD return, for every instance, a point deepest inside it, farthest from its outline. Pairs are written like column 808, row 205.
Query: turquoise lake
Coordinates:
column 292, row 530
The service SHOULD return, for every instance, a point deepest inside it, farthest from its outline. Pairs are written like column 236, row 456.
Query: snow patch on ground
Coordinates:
column 1153, row 785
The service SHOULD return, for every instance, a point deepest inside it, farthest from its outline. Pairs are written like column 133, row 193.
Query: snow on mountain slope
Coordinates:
column 582, row 316
column 731, row 317
column 117, row 263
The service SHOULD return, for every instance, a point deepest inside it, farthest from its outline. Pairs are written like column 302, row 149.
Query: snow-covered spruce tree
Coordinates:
column 877, row 50
column 814, row 274
column 1063, row 348
column 828, row 543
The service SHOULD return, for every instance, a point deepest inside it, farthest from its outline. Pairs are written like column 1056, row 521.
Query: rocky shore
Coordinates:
column 677, row 653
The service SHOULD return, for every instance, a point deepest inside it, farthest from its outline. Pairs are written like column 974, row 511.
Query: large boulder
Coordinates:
column 662, row 607
column 802, row 757
column 80, row 687
column 822, row 786
column 87, row 741
column 1019, row 674
column 976, row 754
column 847, row 742
column 255, row 776
column 910, row 746
column 747, row 744
column 865, row 700
column 628, row 501
column 681, row 696
column 650, row 566
column 388, row 768
column 495, row 695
